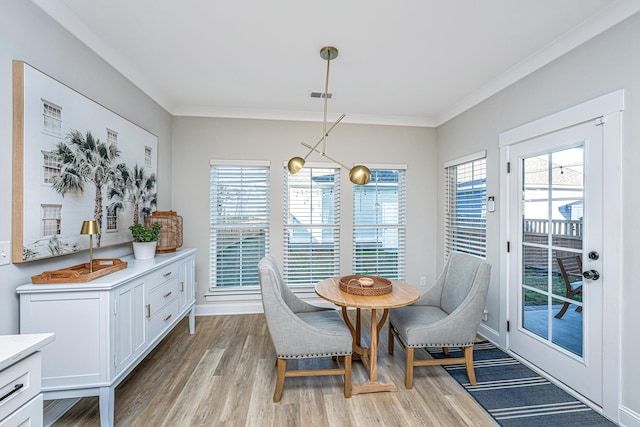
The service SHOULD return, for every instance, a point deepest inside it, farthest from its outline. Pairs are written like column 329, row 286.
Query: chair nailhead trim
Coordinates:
column 302, row 356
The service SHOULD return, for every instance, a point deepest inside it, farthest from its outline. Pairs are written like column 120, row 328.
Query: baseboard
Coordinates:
column 490, row 334
column 54, row 409
column 628, row 417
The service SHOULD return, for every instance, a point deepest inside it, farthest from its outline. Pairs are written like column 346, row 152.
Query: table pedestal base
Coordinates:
column 373, row 387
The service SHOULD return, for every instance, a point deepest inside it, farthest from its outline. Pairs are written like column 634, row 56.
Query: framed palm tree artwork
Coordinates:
column 74, row 160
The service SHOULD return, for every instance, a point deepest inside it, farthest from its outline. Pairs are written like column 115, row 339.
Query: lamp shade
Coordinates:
column 295, row 164
column 360, row 175
column 90, row 227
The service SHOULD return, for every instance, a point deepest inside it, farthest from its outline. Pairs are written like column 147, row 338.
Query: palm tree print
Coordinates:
column 136, row 187
column 86, row 159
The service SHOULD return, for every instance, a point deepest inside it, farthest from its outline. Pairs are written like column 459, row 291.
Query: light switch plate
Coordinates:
column 5, row 253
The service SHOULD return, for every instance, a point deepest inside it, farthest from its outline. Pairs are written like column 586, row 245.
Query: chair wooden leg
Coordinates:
column 445, row 351
column 408, row 375
column 390, row 340
column 468, row 361
column 563, row 310
column 347, row 376
column 282, row 367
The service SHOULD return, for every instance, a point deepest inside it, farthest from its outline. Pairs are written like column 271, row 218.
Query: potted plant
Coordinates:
column 145, row 240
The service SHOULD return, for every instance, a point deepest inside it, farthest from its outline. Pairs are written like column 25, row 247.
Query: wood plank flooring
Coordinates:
column 225, row 375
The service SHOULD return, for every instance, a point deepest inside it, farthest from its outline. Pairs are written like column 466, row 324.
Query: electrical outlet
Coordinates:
column 423, row 281
column 5, row 253
column 485, row 315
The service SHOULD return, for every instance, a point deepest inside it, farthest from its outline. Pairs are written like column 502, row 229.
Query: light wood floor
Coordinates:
column 225, row 375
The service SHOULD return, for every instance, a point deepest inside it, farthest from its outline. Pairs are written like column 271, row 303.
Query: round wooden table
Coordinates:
column 401, row 294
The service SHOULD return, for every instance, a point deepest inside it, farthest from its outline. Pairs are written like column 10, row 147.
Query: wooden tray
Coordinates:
column 80, row 273
column 350, row 285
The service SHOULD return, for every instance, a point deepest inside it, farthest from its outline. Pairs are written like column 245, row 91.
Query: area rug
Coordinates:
column 516, row 396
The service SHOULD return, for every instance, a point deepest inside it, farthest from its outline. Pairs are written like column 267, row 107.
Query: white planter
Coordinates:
column 144, row 250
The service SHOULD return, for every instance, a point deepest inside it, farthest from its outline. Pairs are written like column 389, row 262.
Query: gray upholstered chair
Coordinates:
column 447, row 314
column 299, row 330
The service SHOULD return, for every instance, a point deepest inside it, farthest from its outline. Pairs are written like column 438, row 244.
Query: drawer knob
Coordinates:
column 148, row 310
column 168, row 317
column 15, row 389
column 167, row 274
column 167, row 294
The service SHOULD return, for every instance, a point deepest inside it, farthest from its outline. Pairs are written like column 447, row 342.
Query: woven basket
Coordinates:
column 350, row 285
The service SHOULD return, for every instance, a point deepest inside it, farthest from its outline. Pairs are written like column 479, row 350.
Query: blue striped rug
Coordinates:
column 515, row 395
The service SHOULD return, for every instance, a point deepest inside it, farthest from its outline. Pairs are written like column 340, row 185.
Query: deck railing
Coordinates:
column 564, row 234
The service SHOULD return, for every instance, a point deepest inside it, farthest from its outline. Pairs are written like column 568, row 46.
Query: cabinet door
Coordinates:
column 187, row 282
column 129, row 324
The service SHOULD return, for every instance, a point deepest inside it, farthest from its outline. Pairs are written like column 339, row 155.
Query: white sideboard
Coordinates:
column 105, row 327
column 20, row 397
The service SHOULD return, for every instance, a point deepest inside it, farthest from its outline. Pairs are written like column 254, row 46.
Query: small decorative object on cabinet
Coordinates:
column 124, row 316
column 145, row 240
column 170, row 237
column 20, row 367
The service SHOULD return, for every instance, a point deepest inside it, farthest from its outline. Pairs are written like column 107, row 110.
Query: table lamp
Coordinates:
column 90, row 227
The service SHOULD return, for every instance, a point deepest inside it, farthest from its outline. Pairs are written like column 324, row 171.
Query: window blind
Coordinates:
column 465, row 208
column 239, row 229
column 379, row 219
column 311, row 225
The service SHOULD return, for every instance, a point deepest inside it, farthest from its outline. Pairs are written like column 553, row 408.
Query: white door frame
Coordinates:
column 609, row 107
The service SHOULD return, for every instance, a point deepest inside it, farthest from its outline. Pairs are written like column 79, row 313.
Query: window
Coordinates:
column 52, row 118
column 112, row 216
column 466, row 206
column 112, row 136
column 147, row 156
column 311, row 224
column 239, row 214
column 379, row 224
column 51, row 217
column 51, row 166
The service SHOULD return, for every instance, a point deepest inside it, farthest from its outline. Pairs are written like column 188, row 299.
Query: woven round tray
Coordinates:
column 350, row 285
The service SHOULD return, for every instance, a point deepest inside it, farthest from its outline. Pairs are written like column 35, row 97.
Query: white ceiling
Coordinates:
column 405, row 62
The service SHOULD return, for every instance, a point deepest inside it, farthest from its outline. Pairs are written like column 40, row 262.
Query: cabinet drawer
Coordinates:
column 165, row 317
column 160, row 296
column 30, row 415
column 19, row 383
column 161, row 275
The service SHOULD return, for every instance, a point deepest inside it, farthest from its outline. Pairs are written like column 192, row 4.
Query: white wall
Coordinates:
column 606, row 63
column 197, row 140
column 28, row 34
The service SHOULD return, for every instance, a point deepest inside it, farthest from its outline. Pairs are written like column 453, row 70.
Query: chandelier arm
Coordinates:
column 325, row 155
column 323, row 137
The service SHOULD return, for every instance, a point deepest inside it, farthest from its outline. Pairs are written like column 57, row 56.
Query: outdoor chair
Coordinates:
column 447, row 314
column 571, row 269
column 299, row 330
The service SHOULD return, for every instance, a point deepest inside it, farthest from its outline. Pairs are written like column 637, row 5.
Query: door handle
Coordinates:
column 591, row 275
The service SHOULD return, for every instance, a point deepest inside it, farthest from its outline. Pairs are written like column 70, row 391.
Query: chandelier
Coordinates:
column 359, row 174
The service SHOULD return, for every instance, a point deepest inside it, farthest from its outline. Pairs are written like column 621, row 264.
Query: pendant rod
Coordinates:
column 321, row 139
column 326, row 94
